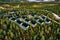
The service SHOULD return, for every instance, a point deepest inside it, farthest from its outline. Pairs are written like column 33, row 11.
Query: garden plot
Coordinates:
column 42, row 19
column 47, row 20
column 25, row 21
column 32, row 19
column 33, row 23
column 20, row 22
column 22, row 25
column 30, row 22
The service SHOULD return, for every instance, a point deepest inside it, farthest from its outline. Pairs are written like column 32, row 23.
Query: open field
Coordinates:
column 12, row 27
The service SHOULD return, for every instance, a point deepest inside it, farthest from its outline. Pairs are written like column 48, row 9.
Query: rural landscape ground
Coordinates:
column 30, row 21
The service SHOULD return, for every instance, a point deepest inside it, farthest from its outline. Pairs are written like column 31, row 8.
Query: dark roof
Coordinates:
column 9, row 16
column 13, row 19
column 40, row 20
column 25, row 25
column 43, row 17
column 47, row 20
column 18, row 21
column 23, row 17
column 33, row 22
column 27, row 20
column 32, row 14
